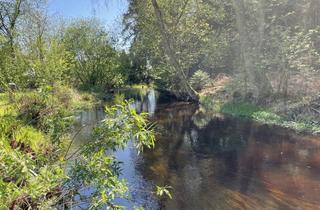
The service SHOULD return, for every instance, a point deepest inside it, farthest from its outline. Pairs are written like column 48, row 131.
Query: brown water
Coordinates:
column 213, row 162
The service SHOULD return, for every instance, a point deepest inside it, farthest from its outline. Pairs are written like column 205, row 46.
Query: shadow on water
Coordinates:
column 214, row 162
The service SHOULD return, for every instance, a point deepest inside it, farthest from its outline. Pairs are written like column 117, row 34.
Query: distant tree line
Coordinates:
column 38, row 49
column 264, row 45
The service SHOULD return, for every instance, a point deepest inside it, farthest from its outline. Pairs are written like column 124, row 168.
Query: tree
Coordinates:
column 10, row 11
column 251, row 50
column 180, row 37
column 167, row 46
column 97, row 63
column 15, row 17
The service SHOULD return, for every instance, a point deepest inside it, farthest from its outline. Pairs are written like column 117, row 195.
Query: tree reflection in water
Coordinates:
column 216, row 162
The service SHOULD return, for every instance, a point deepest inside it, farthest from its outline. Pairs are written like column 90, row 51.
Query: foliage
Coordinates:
column 97, row 167
column 12, row 69
column 31, row 137
column 97, row 63
column 242, row 109
column 264, row 44
column 193, row 35
column 56, row 65
column 31, row 172
column 33, row 151
column 199, row 80
column 48, row 110
column 164, row 191
column 80, row 54
column 262, row 115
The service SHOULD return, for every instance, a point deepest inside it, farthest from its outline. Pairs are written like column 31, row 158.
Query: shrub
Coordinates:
column 199, row 80
column 31, row 137
column 47, row 110
column 28, row 170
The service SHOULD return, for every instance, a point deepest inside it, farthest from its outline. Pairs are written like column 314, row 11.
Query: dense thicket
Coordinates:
column 178, row 38
column 265, row 45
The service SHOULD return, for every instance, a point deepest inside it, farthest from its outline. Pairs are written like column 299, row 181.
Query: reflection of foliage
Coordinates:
column 225, row 137
column 164, row 191
column 201, row 119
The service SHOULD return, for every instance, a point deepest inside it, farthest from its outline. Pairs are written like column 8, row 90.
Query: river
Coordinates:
column 216, row 162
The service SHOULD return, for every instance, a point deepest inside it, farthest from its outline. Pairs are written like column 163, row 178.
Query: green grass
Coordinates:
column 5, row 107
column 240, row 109
column 84, row 100
column 32, row 137
column 34, row 152
column 76, row 99
column 263, row 115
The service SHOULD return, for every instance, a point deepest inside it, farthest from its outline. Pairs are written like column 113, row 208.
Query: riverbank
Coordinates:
column 264, row 115
column 222, row 101
column 34, row 137
column 37, row 131
column 295, row 113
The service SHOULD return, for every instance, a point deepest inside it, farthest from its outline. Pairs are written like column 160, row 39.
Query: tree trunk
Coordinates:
column 251, row 54
column 167, row 46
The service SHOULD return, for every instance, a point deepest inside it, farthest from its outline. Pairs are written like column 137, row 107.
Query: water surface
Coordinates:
column 215, row 162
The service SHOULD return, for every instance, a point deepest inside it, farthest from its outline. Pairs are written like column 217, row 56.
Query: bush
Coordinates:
column 199, row 80
column 31, row 137
column 29, row 167
column 48, row 110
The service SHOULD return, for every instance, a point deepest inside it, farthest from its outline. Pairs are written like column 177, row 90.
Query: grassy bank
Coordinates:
column 34, row 138
column 36, row 133
column 262, row 115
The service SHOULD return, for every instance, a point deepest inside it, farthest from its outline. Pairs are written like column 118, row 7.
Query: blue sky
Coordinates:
column 108, row 11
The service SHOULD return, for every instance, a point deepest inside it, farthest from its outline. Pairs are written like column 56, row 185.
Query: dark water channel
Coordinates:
column 215, row 162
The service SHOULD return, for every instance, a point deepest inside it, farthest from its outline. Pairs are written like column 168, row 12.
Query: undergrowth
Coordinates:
column 260, row 114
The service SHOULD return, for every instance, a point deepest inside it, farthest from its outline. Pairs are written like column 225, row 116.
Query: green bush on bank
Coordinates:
column 30, row 160
column 34, row 133
column 199, row 80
